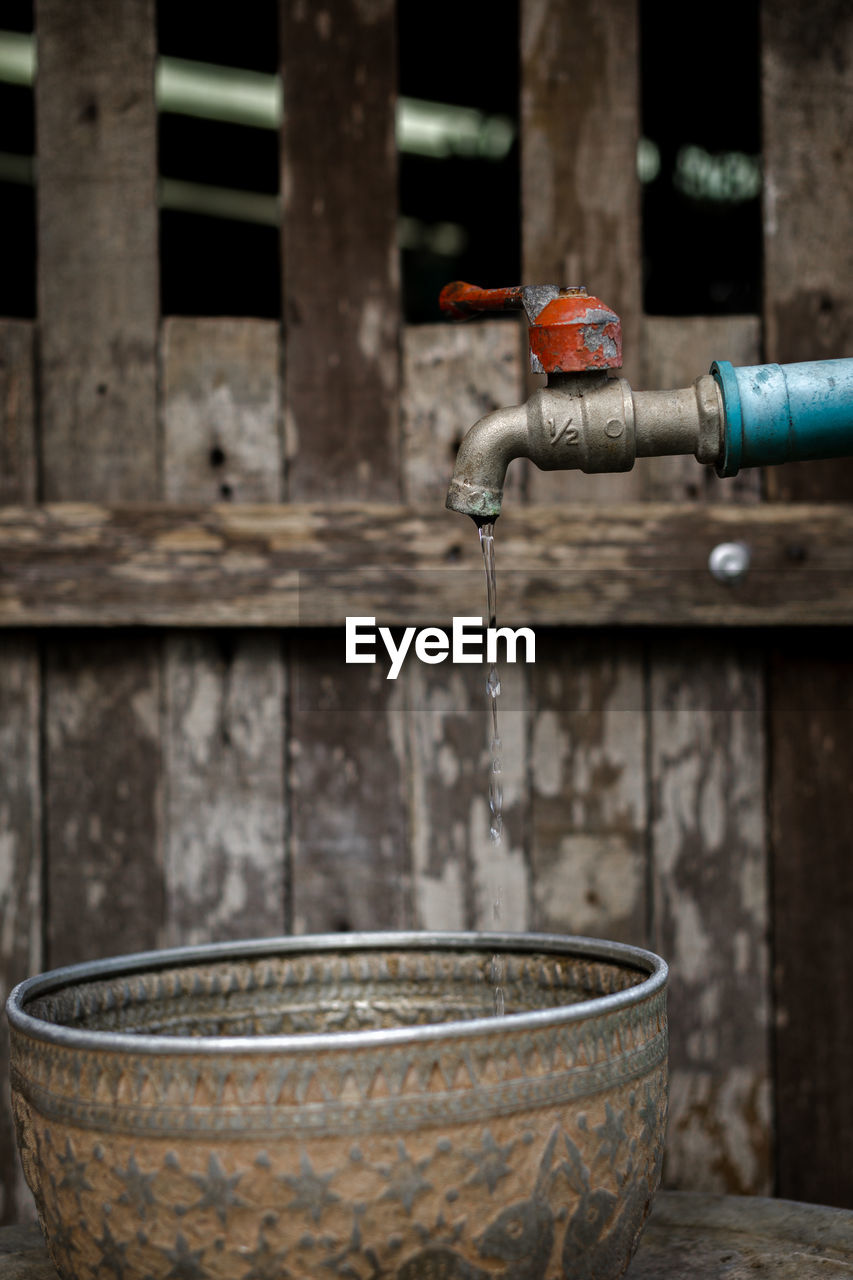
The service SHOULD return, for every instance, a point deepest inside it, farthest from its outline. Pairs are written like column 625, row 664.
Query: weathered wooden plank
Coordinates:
column 676, row 350
column 808, row 191
column 588, row 777
column 709, row 875
column 811, row 794
column 221, row 410
column 720, row 1111
column 458, row 872
column 223, row 723
column 350, row 851
column 102, row 798
column 224, row 792
column 21, row 898
column 452, row 376
column 808, row 266
column 580, row 192
column 18, row 470
column 341, row 330
column 308, row 565
column 341, row 276
column 580, row 128
column 97, row 298
column 581, row 225
column 97, row 248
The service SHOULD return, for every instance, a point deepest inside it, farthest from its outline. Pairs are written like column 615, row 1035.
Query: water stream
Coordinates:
column 493, row 691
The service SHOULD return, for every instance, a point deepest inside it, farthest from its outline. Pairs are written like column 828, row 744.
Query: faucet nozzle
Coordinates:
column 476, row 488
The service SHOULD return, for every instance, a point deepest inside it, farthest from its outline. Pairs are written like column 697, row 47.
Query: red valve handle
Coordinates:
column 460, row 300
column 569, row 331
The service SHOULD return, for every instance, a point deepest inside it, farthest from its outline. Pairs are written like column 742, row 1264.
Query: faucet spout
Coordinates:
column 586, row 422
column 476, row 488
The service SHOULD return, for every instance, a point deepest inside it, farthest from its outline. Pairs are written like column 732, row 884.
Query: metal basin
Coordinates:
column 344, row 1106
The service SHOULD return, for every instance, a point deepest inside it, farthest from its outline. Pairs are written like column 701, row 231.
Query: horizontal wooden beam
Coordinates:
column 269, row 565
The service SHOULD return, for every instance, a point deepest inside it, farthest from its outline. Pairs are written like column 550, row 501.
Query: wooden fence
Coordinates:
column 185, row 755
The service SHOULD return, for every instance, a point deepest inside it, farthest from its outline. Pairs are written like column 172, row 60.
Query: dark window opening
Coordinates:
column 458, row 165
column 460, row 215
column 17, row 192
column 700, row 158
column 219, row 235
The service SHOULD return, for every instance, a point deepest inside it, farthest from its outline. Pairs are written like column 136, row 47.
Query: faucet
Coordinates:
column 584, row 419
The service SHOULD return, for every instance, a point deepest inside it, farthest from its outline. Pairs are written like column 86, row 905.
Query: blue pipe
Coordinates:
column 785, row 412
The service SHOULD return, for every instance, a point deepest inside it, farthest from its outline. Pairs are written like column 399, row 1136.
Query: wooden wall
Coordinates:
column 185, row 755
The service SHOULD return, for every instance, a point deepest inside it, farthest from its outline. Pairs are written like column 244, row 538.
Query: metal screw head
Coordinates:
column 729, row 561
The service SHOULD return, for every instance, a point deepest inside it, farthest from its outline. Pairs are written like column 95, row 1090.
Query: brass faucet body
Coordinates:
column 588, row 422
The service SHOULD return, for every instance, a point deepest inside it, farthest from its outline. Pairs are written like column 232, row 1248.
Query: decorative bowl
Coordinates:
column 344, row 1106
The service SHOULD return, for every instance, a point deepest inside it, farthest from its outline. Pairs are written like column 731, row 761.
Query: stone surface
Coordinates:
column 709, row 1237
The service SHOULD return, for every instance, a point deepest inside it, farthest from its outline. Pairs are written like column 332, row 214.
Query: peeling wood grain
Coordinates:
column 501, row 872
column 341, row 275
column 808, row 166
column 676, row 350
column 20, row 811
column 711, row 911
column 224, row 781
column 452, row 376
column 347, row 770
column 580, row 192
column 811, row 797
column 223, row 722
column 98, row 317
column 588, row 786
column 97, row 248
column 18, row 478
column 21, row 899
column 221, row 410
column 581, row 226
column 458, row 872
column 102, row 797
column 307, row 565
column 807, row 114
column 720, row 1134
column 341, row 293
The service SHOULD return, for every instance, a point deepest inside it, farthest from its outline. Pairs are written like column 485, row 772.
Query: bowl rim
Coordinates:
column 317, row 945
